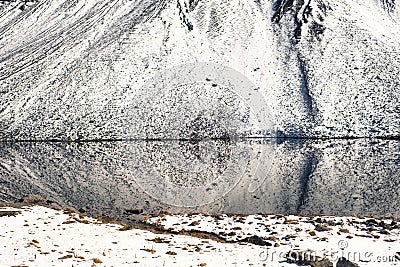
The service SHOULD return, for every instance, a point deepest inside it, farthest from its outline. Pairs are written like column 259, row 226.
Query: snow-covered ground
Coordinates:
column 40, row 236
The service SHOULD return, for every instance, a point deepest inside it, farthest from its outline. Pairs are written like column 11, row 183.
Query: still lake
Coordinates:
column 289, row 176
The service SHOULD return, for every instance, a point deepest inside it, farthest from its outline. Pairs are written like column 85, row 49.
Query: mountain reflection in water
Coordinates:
column 330, row 177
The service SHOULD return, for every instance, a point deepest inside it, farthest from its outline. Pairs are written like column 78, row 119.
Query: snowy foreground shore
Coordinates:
column 40, row 236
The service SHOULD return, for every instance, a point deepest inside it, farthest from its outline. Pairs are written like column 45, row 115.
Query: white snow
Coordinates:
column 41, row 236
column 72, row 69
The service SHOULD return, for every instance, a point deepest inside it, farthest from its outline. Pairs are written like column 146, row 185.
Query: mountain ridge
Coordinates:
column 71, row 70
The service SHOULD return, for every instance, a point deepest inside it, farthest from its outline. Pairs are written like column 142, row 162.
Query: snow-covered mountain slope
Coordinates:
column 85, row 69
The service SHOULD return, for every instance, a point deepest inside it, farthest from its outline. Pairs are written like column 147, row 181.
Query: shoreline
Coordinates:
column 31, row 237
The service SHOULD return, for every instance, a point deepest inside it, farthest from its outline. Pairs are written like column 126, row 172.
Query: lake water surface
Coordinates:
column 119, row 179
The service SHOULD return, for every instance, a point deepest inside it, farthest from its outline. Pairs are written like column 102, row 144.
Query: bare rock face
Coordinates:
column 72, row 70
